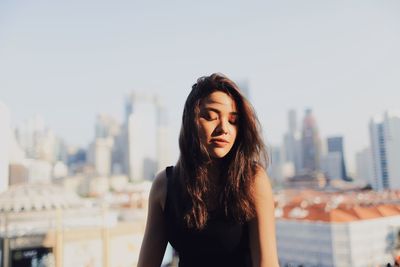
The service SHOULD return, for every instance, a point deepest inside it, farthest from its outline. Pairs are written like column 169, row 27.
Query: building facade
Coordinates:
column 364, row 166
column 335, row 145
column 45, row 225
column 341, row 229
column 385, row 146
column 311, row 143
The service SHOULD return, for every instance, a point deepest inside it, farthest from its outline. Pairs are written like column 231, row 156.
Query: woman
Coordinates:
column 215, row 207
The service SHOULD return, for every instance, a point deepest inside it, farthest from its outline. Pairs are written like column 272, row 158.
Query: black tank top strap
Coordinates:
column 169, row 172
column 170, row 190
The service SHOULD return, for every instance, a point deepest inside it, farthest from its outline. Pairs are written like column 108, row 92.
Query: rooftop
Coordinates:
column 337, row 207
column 37, row 197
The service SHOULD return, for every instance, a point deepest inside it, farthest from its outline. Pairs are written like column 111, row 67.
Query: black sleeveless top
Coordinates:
column 222, row 242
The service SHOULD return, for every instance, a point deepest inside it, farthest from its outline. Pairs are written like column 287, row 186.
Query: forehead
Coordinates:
column 219, row 100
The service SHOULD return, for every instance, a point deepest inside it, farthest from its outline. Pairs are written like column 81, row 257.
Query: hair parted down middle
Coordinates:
column 238, row 167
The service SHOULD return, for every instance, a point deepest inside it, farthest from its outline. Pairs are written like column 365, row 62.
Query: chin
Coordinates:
column 218, row 154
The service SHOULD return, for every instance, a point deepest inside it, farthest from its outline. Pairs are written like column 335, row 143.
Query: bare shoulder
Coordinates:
column 262, row 184
column 158, row 192
column 262, row 227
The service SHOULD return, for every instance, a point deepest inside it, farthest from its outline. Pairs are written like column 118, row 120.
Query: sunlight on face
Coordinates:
column 218, row 123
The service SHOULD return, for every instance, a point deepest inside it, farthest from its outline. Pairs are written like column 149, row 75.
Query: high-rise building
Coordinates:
column 279, row 169
column 106, row 126
column 292, row 143
column 46, row 146
column 141, row 128
column 107, row 148
column 335, row 145
column 101, row 155
column 364, row 166
column 385, row 145
column 4, row 146
column 311, row 144
column 142, row 146
column 120, row 155
column 331, row 165
column 163, row 139
column 292, row 121
column 39, row 142
column 17, row 154
column 29, row 135
column 276, row 160
column 381, row 179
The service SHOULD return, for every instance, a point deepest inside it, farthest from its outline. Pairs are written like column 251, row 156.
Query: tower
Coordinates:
column 385, row 145
column 292, row 143
column 141, row 133
column 335, row 145
column 311, row 148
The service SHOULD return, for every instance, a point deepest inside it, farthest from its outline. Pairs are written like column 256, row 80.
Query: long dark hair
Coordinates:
column 238, row 167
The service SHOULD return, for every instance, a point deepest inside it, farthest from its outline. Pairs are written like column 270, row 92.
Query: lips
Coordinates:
column 219, row 142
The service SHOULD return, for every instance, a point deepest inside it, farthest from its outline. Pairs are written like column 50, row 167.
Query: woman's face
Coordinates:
column 218, row 123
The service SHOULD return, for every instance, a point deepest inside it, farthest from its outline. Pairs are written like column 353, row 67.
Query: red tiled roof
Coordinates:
column 335, row 207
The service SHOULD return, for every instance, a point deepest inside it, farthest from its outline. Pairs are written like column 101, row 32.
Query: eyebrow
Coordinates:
column 218, row 111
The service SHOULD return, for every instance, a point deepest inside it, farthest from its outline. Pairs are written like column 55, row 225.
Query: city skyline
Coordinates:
column 292, row 120
column 68, row 64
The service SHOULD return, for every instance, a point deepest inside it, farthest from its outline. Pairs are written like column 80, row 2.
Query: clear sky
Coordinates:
column 69, row 60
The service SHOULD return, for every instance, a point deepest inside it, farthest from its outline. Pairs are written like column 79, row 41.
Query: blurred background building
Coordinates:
column 311, row 143
column 47, row 225
column 353, row 228
column 385, row 145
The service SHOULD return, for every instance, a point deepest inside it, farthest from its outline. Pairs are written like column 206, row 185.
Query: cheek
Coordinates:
column 203, row 132
column 234, row 133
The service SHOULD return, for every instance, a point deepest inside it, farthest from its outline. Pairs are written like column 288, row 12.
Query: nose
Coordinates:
column 222, row 127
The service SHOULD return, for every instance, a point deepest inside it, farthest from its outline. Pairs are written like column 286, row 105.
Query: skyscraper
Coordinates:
column 311, row 144
column 163, row 138
column 293, row 143
column 141, row 128
column 292, row 121
column 274, row 169
column 385, row 145
column 100, row 152
column 364, row 166
column 30, row 135
column 104, row 154
column 40, row 142
column 335, row 144
column 381, row 177
column 331, row 165
column 4, row 146
column 106, row 126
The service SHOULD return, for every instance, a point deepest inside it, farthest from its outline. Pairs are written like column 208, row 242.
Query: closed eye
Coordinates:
column 233, row 120
column 209, row 115
column 211, row 118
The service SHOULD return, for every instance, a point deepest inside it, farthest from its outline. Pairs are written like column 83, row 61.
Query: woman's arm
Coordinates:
column 262, row 227
column 154, row 240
